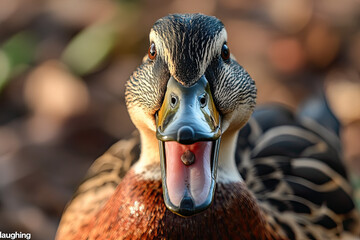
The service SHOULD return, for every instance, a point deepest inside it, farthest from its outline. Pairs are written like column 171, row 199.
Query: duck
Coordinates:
column 204, row 163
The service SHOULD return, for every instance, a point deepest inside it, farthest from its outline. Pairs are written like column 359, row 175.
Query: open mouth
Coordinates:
column 189, row 174
column 189, row 133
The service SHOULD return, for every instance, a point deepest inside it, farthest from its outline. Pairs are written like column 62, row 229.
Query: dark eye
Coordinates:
column 203, row 100
column 225, row 52
column 173, row 100
column 152, row 51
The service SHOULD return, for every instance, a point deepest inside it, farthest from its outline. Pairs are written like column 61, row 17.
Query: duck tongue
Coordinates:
column 188, row 172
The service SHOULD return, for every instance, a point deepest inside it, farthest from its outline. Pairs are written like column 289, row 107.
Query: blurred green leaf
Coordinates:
column 16, row 55
column 88, row 50
column 4, row 69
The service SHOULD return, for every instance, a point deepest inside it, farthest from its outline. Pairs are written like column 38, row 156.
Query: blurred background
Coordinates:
column 63, row 66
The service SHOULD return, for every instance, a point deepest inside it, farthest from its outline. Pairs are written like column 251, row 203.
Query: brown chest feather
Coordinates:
column 137, row 211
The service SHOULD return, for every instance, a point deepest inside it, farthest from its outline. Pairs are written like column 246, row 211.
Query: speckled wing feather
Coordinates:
column 297, row 176
column 99, row 184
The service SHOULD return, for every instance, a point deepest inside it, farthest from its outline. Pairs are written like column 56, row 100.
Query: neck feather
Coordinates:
column 137, row 211
column 227, row 170
column 149, row 148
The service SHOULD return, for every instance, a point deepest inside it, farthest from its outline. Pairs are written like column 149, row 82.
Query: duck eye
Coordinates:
column 225, row 52
column 203, row 100
column 173, row 100
column 152, row 51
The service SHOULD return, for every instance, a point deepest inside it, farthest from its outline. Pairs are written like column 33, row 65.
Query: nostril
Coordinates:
column 213, row 120
column 185, row 135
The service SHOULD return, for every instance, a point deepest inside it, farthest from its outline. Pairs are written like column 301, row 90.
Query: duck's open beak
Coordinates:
column 188, row 129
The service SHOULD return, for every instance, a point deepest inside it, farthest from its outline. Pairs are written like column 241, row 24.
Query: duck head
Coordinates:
column 188, row 94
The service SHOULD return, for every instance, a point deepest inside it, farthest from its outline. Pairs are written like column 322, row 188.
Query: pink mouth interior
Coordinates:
column 195, row 179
